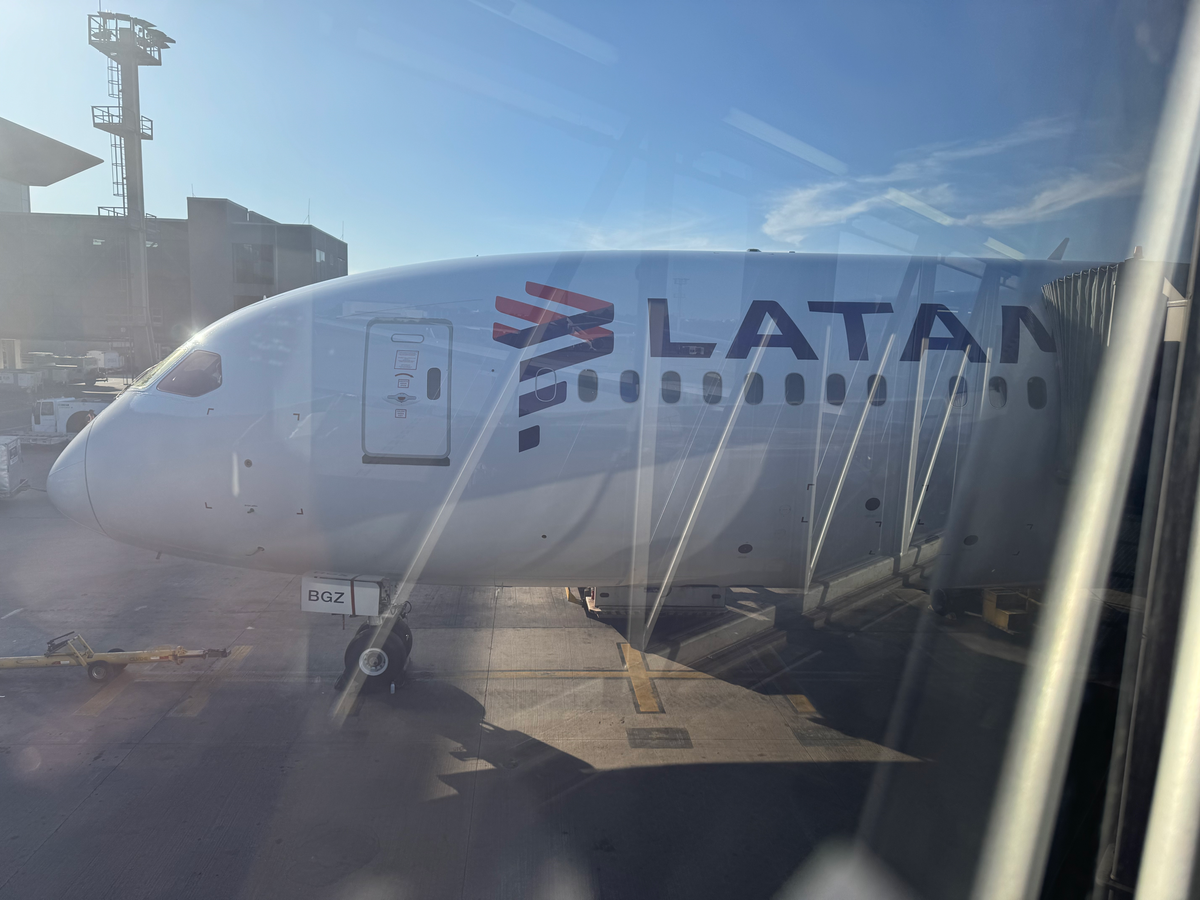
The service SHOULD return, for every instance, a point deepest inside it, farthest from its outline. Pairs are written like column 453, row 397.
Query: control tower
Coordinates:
column 129, row 43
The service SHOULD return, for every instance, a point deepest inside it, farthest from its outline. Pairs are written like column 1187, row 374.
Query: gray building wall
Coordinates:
column 239, row 257
column 64, row 277
column 13, row 197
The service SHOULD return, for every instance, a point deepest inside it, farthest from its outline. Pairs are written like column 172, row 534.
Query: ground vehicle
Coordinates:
column 12, row 480
column 64, row 415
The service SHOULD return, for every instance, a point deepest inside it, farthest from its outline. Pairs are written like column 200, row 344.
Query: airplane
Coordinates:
column 605, row 418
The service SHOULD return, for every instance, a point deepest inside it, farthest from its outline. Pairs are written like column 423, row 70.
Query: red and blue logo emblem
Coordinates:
column 592, row 341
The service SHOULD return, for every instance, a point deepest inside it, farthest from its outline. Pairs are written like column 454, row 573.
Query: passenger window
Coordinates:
column 630, row 383
column 433, row 384
column 545, row 385
column 878, row 385
column 671, row 388
column 197, row 374
column 997, row 392
column 589, row 385
column 712, row 387
column 835, row 390
column 793, row 389
column 754, row 388
column 1037, row 392
column 958, row 391
column 47, row 407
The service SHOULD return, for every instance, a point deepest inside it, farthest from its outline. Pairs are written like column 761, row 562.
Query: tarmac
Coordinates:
column 531, row 751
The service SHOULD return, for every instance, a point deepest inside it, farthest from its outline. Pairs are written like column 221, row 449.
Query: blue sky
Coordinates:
column 430, row 129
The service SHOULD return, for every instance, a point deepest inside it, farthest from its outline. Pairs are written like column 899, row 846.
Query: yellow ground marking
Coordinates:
column 641, row 677
column 106, row 695
column 802, row 704
column 644, row 695
column 197, row 697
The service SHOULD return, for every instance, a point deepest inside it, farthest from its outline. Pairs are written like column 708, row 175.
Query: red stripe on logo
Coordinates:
column 592, row 334
column 521, row 310
column 567, row 298
column 499, row 330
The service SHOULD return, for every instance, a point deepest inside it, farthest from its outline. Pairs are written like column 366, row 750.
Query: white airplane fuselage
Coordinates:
column 599, row 418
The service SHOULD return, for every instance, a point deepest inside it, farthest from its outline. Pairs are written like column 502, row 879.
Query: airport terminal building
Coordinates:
column 66, row 277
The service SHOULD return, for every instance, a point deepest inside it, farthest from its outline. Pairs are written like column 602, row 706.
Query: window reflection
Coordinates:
column 198, row 374
column 671, row 388
column 877, row 389
column 1036, row 390
column 589, row 385
column 754, row 388
column 793, row 389
column 630, row 385
column 958, row 391
column 712, row 387
column 835, row 390
column 997, row 392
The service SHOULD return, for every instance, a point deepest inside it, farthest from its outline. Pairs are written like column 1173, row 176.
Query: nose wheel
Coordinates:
column 381, row 664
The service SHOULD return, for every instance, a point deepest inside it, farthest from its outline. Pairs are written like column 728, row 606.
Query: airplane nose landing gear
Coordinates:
column 379, row 650
column 380, row 662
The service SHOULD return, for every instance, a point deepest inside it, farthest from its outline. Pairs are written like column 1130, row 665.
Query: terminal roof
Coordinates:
column 29, row 158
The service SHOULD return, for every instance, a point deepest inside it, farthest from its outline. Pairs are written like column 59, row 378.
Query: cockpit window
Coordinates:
column 198, row 374
column 158, row 368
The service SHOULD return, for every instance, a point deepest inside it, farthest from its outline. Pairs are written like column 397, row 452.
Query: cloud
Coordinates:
column 807, row 209
column 1071, row 190
column 949, row 177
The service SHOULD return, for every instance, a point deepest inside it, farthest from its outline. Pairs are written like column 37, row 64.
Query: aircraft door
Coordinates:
column 406, row 392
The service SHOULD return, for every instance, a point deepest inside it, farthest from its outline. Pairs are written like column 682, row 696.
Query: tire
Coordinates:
column 99, row 672
column 382, row 665
column 119, row 667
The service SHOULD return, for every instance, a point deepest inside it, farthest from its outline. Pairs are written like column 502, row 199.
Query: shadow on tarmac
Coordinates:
column 373, row 810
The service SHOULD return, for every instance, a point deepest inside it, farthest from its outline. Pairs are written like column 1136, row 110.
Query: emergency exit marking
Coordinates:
column 402, row 414
column 406, row 359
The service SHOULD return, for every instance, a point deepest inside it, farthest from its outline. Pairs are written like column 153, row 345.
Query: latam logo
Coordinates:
column 594, row 341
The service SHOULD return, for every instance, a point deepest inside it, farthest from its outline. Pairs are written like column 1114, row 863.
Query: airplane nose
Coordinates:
column 66, row 485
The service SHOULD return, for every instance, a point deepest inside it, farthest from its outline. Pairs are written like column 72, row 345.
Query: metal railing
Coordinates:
column 111, row 118
column 1017, row 843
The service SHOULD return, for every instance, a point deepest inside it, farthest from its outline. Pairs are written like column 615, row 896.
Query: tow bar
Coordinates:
column 71, row 649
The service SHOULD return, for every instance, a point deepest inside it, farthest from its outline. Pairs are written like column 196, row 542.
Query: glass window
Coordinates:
column 630, row 385
column 793, row 389
column 997, row 392
column 754, row 388
column 151, row 373
column 199, row 373
column 958, row 391
column 671, row 388
column 911, row 230
column 835, row 390
column 878, row 385
column 589, row 385
column 1036, row 389
column 253, row 263
column 712, row 387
